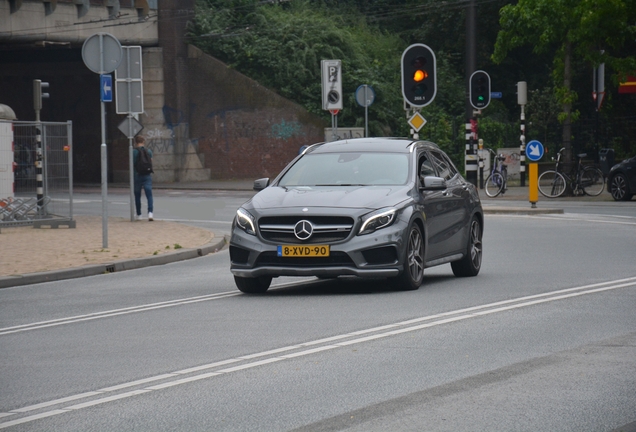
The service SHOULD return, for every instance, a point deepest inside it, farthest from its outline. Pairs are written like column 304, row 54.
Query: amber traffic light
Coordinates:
column 419, row 84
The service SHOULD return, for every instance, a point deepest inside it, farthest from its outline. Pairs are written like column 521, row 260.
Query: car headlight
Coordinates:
column 377, row 220
column 245, row 221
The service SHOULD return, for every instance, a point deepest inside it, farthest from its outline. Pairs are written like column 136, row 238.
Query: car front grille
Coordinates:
column 327, row 229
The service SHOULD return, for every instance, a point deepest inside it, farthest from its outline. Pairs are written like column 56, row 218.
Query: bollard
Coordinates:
column 533, row 184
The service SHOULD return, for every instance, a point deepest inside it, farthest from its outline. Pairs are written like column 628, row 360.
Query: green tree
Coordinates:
column 590, row 30
column 281, row 46
column 543, row 111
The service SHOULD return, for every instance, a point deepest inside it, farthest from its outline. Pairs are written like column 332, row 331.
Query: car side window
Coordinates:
column 445, row 169
column 426, row 168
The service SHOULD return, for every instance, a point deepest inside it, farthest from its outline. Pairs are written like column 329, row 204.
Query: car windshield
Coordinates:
column 348, row 169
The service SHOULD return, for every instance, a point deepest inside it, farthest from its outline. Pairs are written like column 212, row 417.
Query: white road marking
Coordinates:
column 570, row 217
column 115, row 312
column 134, row 309
column 270, row 356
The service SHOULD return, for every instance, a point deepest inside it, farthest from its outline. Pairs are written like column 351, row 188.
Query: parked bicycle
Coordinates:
column 497, row 181
column 583, row 180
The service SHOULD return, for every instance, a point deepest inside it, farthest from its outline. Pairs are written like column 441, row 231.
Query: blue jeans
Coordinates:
column 145, row 182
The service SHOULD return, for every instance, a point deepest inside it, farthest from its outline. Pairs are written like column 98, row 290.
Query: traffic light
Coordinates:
column 38, row 85
column 419, row 81
column 479, row 89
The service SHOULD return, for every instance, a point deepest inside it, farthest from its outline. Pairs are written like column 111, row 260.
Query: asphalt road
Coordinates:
column 543, row 339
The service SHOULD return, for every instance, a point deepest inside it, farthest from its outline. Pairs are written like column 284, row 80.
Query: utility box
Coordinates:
column 6, row 160
column 606, row 160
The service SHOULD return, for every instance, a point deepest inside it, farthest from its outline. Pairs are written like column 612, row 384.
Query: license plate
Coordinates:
column 303, row 251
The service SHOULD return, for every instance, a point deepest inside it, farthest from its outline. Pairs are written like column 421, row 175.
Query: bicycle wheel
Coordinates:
column 551, row 184
column 592, row 181
column 494, row 184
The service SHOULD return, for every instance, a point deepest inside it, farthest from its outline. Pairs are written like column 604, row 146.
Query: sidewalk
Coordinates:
column 39, row 255
column 31, row 255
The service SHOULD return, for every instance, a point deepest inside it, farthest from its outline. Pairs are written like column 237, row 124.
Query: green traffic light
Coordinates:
column 480, row 98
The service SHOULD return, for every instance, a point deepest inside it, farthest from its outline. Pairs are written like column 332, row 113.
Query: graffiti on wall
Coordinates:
column 176, row 132
column 285, row 130
column 160, row 140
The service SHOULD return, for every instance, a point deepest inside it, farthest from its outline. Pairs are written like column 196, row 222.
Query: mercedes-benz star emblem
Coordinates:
column 303, row 230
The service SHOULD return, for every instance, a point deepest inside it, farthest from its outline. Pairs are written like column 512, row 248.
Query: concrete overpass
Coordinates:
column 198, row 121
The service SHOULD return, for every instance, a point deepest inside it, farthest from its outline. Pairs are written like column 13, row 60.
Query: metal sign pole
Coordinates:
column 104, row 160
column 102, row 54
column 336, row 129
column 366, row 111
column 130, row 146
column 333, row 127
column 365, row 97
column 130, row 168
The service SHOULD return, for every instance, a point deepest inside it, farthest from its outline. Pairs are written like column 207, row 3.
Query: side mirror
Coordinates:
column 261, row 184
column 432, row 183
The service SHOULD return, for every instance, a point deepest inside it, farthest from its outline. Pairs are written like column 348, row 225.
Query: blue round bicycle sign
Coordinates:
column 534, row 150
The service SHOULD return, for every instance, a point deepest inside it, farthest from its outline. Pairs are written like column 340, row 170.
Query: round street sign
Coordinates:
column 534, row 150
column 334, row 111
column 365, row 95
column 102, row 53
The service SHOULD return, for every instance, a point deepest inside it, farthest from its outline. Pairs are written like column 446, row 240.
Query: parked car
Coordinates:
column 367, row 207
column 621, row 180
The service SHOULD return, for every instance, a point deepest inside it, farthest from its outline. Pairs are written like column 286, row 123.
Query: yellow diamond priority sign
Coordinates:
column 417, row 121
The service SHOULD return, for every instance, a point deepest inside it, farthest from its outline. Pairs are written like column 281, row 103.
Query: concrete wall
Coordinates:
column 72, row 22
column 243, row 129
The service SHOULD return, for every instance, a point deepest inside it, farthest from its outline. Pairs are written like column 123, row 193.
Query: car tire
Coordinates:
column 258, row 285
column 413, row 272
column 470, row 264
column 618, row 188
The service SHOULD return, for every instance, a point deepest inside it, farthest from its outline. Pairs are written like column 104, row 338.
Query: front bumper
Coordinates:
column 375, row 255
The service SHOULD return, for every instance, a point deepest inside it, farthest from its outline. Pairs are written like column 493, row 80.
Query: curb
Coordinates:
column 112, row 267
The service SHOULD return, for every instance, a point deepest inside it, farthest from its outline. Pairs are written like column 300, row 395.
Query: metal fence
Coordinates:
column 43, row 176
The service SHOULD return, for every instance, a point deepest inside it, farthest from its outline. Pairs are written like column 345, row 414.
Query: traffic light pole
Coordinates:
column 479, row 98
column 470, row 157
column 471, row 161
column 419, row 83
column 38, row 94
column 522, row 100
column 522, row 150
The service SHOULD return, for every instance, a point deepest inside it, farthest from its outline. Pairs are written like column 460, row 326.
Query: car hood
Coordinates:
column 371, row 197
